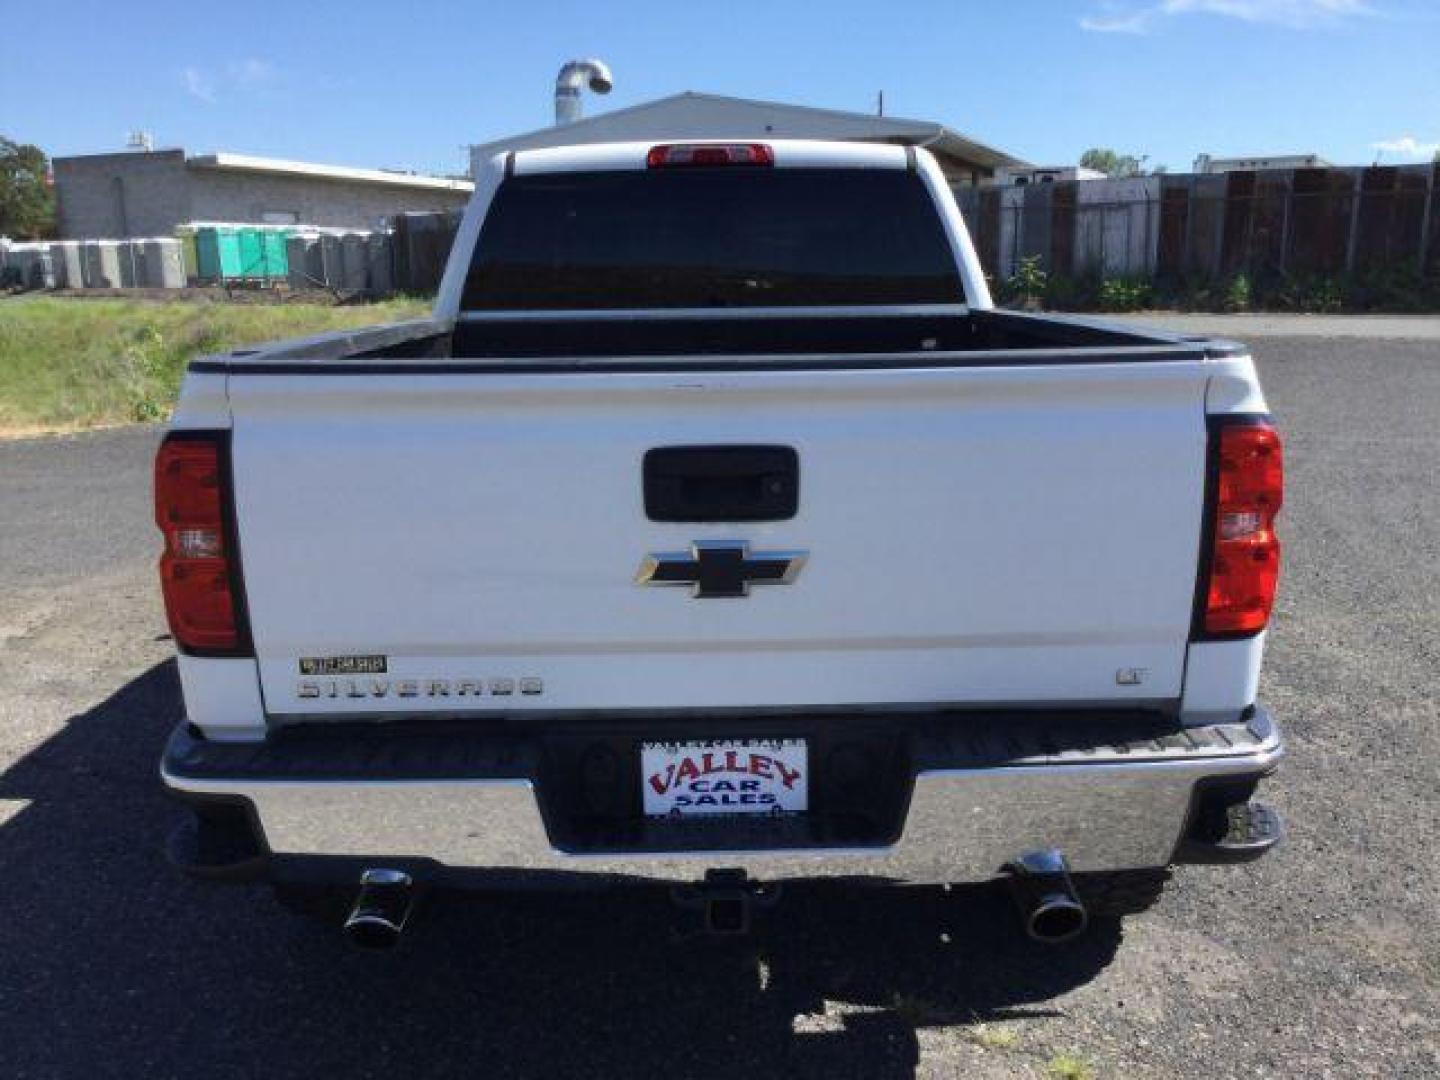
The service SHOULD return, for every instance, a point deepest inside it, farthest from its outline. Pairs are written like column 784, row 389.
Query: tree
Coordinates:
column 27, row 205
column 1116, row 166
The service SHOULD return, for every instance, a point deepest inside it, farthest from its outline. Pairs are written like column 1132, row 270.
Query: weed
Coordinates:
column 1238, row 294
column 994, row 1037
column 1125, row 294
column 1069, row 1067
column 1027, row 284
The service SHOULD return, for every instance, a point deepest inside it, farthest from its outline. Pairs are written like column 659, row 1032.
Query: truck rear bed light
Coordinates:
column 681, row 155
column 1248, row 489
column 199, row 575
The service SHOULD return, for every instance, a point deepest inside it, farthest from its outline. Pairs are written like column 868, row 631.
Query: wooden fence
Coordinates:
column 1297, row 222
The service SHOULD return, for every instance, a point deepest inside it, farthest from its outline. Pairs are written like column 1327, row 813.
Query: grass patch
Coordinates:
column 1069, row 1067
column 994, row 1037
column 82, row 363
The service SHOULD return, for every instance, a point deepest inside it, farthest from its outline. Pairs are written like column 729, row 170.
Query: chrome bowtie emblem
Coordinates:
column 723, row 568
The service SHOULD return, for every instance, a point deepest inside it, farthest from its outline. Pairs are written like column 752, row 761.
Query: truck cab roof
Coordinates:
column 787, row 153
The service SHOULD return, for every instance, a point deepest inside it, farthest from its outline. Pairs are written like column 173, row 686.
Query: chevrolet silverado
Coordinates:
column 718, row 530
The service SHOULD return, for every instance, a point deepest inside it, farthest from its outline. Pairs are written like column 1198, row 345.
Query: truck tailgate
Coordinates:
column 452, row 542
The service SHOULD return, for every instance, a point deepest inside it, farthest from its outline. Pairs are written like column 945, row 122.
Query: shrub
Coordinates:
column 1027, row 284
column 1125, row 294
column 1393, row 287
column 1238, row 295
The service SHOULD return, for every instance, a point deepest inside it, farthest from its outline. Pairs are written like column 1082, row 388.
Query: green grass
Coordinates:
column 1070, row 1067
column 67, row 363
column 994, row 1037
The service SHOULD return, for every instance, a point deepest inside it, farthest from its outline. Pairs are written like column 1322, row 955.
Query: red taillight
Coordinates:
column 679, row 155
column 1244, row 566
column 196, row 573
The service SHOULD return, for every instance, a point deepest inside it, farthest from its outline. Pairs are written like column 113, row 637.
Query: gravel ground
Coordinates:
column 1322, row 960
column 1258, row 325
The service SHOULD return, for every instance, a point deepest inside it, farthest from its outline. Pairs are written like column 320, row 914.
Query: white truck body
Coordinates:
column 992, row 521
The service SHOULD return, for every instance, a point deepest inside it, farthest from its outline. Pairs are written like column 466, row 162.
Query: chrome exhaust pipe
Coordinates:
column 381, row 909
column 1050, row 910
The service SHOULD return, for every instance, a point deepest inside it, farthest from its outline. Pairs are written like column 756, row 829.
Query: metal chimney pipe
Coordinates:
column 574, row 76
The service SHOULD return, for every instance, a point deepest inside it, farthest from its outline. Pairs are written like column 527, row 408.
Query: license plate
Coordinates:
column 725, row 776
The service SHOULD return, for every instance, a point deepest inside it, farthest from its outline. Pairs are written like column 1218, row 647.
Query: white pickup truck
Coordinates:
column 718, row 530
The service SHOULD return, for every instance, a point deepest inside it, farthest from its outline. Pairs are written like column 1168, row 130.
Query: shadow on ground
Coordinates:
column 110, row 962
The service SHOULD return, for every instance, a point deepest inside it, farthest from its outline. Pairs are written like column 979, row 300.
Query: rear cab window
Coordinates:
column 711, row 238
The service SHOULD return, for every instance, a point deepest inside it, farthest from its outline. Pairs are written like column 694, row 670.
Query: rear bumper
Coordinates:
column 969, row 798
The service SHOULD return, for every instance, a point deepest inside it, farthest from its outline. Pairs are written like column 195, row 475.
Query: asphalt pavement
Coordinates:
column 1321, row 960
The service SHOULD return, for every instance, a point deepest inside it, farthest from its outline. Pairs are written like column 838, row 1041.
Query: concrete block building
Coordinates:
column 149, row 192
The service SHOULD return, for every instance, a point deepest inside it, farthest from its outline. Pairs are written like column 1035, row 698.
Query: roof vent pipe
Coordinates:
column 573, row 76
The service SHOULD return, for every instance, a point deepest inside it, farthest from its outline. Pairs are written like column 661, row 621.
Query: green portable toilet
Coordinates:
column 217, row 252
column 277, row 264
column 252, row 253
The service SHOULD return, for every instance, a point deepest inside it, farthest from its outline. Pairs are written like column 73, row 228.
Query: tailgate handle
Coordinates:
column 721, row 483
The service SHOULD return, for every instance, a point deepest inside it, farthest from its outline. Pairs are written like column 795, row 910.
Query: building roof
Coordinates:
column 695, row 115
column 1205, row 163
column 274, row 166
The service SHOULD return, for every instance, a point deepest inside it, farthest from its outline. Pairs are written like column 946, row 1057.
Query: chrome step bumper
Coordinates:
column 979, row 796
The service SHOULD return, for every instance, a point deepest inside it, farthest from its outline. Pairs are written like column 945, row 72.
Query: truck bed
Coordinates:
column 724, row 339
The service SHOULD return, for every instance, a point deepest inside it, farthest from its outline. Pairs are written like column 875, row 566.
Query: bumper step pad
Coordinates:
column 1251, row 829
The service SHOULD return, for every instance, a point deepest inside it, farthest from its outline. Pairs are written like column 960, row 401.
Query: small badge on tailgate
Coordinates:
column 342, row 665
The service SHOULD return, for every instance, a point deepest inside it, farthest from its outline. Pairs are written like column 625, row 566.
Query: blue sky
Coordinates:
column 407, row 85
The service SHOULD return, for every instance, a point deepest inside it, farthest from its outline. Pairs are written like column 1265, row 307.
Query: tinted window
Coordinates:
column 723, row 237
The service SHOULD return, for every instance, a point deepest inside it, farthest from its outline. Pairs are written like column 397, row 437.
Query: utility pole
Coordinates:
column 880, row 103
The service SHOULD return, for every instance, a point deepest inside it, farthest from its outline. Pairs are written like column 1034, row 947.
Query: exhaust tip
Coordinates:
column 381, row 909
column 1056, row 920
column 1050, row 910
column 372, row 932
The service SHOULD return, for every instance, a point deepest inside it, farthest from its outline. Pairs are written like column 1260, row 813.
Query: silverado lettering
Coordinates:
column 411, row 688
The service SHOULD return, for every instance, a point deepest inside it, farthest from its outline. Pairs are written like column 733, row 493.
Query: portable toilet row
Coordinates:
column 126, row 264
column 348, row 261
column 95, row 264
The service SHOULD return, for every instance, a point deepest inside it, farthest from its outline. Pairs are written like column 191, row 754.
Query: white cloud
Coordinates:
column 198, row 84
column 248, row 76
column 1284, row 12
column 1137, row 18
column 251, row 73
column 1407, row 146
column 1135, row 23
